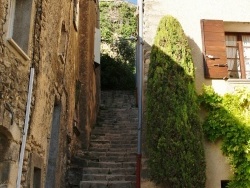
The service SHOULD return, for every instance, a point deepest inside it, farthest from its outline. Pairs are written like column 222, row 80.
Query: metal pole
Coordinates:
column 25, row 130
column 140, row 89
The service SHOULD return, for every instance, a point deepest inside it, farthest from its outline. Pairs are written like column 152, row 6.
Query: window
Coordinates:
column 226, row 54
column 76, row 14
column 37, row 178
column 238, row 55
column 224, row 183
column 19, row 27
column 97, row 46
column 36, row 171
column 63, row 43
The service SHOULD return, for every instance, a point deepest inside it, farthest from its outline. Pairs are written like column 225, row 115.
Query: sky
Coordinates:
column 132, row 1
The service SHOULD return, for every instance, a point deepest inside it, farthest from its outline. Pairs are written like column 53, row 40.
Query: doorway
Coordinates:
column 53, row 148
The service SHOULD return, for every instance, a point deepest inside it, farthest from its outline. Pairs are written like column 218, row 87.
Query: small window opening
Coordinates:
column 224, row 183
column 20, row 22
column 4, row 146
column 37, row 178
column 76, row 14
column 63, row 43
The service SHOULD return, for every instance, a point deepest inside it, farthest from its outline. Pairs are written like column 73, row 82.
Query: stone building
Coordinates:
column 210, row 25
column 46, row 117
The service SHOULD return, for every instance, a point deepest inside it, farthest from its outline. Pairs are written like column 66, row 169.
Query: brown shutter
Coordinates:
column 214, row 49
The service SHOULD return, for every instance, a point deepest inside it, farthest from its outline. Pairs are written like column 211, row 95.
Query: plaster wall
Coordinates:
column 189, row 13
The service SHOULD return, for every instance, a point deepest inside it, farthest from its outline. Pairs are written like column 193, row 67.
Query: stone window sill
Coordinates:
column 238, row 81
column 18, row 49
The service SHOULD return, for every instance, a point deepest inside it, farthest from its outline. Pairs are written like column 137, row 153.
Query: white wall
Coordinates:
column 189, row 13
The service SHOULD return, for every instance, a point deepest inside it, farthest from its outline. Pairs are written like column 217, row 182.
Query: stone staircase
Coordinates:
column 110, row 161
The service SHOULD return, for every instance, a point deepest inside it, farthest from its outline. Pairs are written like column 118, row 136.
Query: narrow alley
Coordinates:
column 111, row 158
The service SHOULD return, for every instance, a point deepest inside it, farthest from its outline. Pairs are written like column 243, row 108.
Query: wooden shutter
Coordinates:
column 214, row 49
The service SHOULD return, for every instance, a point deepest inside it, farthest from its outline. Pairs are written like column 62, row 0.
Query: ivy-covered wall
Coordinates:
column 228, row 120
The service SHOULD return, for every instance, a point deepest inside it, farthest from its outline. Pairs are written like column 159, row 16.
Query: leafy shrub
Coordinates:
column 116, row 75
column 174, row 133
column 118, row 25
column 229, row 120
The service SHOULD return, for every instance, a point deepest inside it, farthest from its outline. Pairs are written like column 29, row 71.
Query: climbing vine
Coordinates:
column 228, row 119
column 174, row 134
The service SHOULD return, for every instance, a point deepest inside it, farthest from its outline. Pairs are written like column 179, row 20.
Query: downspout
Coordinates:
column 140, row 89
column 25, row 130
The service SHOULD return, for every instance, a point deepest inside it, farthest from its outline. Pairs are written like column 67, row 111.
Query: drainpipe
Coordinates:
column 25, row 130
column 140, row 89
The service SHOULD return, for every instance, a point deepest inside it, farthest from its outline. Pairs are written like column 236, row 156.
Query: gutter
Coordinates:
column 25, row 130
column 140, row 89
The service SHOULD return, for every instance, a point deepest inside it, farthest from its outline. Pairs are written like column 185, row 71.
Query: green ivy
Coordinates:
column 228, row 119
column 174, row 134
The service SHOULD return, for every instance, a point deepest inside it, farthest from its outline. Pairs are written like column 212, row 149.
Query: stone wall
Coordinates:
column 89, row 71
column 65, row 76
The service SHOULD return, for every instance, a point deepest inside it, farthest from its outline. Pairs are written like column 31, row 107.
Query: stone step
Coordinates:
column 116, row 125
column 90, row 163
column 115, row 138
column 117, row 114
column 108, row 177
column 127, row 150
column 124, row 116
column 118, row 122
column 115, row 130
column 112, row 118
column 118, row 141
column 123, row 171
column 113, row 158
column 121, row 116
column 107, row 184
column 97, row 154
column 128, row 132
column 99, row 145
column 109, row 108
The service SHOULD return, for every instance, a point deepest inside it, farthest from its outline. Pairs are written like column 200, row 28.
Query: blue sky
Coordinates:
column 132, row 1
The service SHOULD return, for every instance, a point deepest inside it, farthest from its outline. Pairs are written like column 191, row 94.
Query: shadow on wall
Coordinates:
column 198, row 60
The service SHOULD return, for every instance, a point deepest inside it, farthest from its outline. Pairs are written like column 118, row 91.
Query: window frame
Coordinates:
column 11, row 28
column 241, row 51
column 214, row 50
